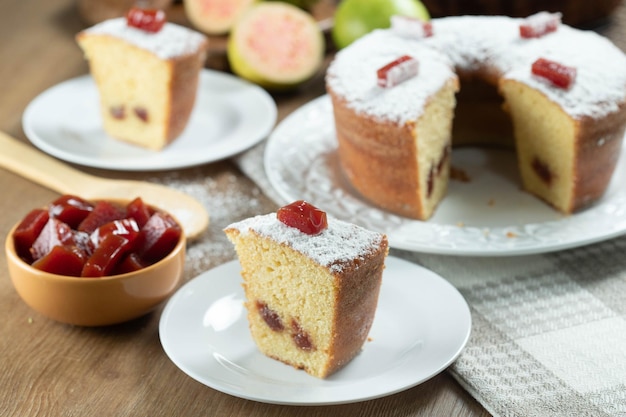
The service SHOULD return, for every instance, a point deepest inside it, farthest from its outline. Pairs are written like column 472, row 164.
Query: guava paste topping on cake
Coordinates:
column 558, row 74
column 171, row 41
column 397, row 71
column 339, row 243
column 469, row 43
column 303, row 216
column 411, row 27
column 539, row 24
column 149, row 20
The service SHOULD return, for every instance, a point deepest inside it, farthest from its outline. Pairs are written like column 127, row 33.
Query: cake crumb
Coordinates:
column 30, row 320
column 491, row 202
column 510, row 235
column 459, row 175
column 460, row 224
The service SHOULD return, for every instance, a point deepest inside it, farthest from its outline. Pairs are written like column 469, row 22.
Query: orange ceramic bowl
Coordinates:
column 96, row 301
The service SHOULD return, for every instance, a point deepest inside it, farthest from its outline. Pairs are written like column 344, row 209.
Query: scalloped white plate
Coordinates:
column 230, row 115
column 422, row 323
column 488, row 216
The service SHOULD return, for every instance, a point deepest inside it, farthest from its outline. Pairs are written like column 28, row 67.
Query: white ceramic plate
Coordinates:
column 488, row 216
column 230, row 115
column 422, row 323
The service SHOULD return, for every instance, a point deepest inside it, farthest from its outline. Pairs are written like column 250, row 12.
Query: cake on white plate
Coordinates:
column 147, row 72
column 311, row 285
column 566, row 104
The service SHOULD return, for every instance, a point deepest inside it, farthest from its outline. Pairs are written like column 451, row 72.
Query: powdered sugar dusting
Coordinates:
column 335, row 247
column 170, row 42
column 352, row 75
column 469, row 43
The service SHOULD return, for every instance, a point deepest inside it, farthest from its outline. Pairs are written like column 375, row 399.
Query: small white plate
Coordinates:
column 488, row 216
column 229, row 116
column 422, row 323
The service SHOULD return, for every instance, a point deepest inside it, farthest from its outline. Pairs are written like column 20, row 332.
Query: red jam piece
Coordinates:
column 70, row 209
column 139, row 211
column 159, row 236
column 27, row 231
column 539, row 24
column 397, row 71
column 542, row 170
column 300, row 337
column 106, row 256
column 102, row 213
column 113, row 239
column 149, row 20
column 118, row 112
column 126, row 228
column 303, row 216
column 411, row 27
column 141, row 113
column 558, row 74
column 271, row 318
column 54, row 233
column 131, row 263
column 62, row 260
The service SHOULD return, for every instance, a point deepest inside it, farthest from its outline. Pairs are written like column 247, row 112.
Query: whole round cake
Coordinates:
column 394, row 98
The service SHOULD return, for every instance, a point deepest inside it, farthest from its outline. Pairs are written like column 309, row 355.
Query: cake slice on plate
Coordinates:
column 146, row 71
column 311, row 285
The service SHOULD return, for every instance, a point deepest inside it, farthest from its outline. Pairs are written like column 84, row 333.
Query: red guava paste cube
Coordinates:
column 539, row 24
column 159, row 236
column 411, row 27
column 54, row 233
column 558, row 74
column 148, row 20
column 62, row 260
column 102, row 213
column 27, row 231
column 70, row 209
column 139, row 211
column 303, row 216
column 397, row 71
column 127, row 228
column 106, row 256
column 131, row 263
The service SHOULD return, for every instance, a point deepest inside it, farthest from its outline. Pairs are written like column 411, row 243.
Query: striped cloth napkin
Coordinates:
column 548, row 331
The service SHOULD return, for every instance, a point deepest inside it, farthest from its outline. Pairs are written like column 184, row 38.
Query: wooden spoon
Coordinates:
column 42, row 169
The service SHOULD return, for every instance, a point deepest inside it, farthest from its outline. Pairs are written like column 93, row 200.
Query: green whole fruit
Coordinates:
column 355, row 18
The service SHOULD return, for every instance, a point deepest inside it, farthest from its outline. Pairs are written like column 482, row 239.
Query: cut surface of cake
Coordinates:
column 311, row 298
column 394, row 142
column 147, row 80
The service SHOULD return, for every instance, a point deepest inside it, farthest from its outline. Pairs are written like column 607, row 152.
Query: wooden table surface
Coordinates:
column 55, row 369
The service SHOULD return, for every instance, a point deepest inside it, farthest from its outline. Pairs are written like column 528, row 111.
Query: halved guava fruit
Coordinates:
column 276, row 45
column 215, row 17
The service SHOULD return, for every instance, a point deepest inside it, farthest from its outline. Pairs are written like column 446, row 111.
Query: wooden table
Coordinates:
column 54, row 369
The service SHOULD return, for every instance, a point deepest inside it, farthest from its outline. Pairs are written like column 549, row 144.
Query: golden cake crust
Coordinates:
column 378, row 158
column 184, row 86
